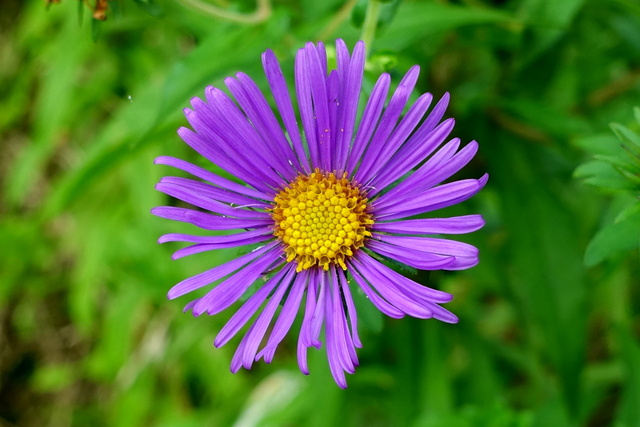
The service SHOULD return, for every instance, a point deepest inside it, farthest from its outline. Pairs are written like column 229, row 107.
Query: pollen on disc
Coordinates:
column 332, row 214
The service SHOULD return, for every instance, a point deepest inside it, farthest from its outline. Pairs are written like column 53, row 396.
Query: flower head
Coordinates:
column 324, row 203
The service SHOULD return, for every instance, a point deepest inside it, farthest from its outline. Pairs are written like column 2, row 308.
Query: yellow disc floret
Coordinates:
column 322, row 219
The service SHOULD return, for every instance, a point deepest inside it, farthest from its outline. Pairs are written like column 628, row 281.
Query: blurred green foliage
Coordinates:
column 87, row 336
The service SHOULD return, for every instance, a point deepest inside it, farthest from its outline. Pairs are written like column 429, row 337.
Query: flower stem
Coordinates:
column 370, row 23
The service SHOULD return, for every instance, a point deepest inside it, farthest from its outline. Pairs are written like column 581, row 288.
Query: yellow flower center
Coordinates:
column 322, row 219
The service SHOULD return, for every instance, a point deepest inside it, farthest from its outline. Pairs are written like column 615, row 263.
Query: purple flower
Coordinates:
column 323, row 204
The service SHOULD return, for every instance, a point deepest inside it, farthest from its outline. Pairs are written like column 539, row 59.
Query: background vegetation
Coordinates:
column 549, row 321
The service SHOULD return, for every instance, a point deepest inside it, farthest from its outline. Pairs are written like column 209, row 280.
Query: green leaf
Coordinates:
column 417, row 20
column 602, row 175
column 547, row 21
column 150, row 7
column 630, row 353
column 614, row 238
column 630, row 139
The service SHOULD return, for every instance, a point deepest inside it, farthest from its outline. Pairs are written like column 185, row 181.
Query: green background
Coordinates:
column 547, row 336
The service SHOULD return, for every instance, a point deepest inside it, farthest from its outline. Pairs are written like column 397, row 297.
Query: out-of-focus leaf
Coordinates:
column 388, row 11
column 620, row 236
column 150, row 7
column 415, row 21
column 602, row 175
column 136, row 124
column 54, row 378
column 547, row 21
column 630, row 351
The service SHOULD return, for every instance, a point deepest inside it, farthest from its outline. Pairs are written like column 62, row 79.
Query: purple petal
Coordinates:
column 280, row 92
column 211, row 177
column 198, row 199
column 228, row 292
column 248, row 309
column 435, row 198
column 351, row 309
column 422, row 143
column 426, row 296
column 417, row 259
column 208, row 221
column 313, row 331
column 352, row 72
column 333, row 346
column 206, row 145
column 310, row 308
column 455, row 225
column 254, row 338
column 407, row 125
column 430, row 244
column 380, row 303
column 262, row 118
column 238, row 237
column 305, row 105
column 210, row 276
column 388, row 290
column 317, row 82
column 286, row 318
column 203, row 247
column 387, row 123
column 369, row 120
column 218, row 194
column 240, row 139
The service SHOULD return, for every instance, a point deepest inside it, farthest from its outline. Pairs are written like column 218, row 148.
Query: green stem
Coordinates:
column 370, row 23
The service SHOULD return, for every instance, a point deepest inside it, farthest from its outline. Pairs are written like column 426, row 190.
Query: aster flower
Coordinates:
column 325, row 204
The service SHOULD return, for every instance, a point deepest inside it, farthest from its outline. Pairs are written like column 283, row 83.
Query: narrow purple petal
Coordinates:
column 395, row 140
column 351, row 308
column 380, row 303
column 228, row 292
column 333, row 345
column 435, row 198
column 317, row 81
column 210, row 276
column 211, row 177
column 208, row 221
column 200, row 200
column 351, row 86
column 305, row 105
column 455, row 225
column 417, row 259
column 310, row 308
column 248, row 309
column 406, row 285
column 240, row 138
column 387, row 123
column 238, row 237
column 218, row 194
column 286, row 318
column 369, row 120
column 333, row 102
column 430, row 244
column 262, row 118
column 206, row 146
column 280, row 92
column 389, row 291
column 204, row 247
column 422, row 143
column 313, row 335
column 255, row 337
